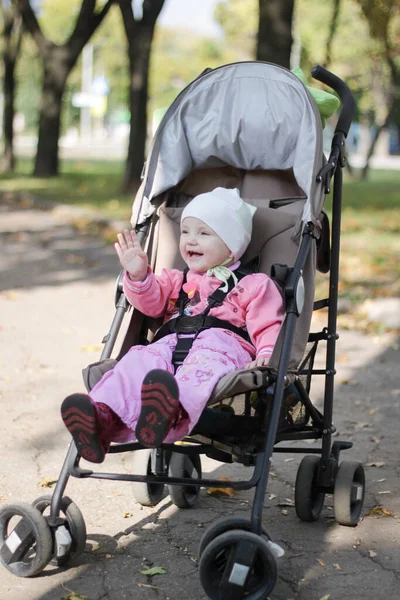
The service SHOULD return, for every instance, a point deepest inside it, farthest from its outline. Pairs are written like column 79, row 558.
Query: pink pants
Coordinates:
column 214, row 353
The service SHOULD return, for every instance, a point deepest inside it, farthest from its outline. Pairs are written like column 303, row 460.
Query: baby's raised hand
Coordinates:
column 131, row 255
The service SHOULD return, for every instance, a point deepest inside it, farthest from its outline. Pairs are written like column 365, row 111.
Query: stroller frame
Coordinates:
column 324, row 475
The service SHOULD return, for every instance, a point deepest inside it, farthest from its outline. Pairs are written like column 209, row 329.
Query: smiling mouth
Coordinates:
column 192, row 254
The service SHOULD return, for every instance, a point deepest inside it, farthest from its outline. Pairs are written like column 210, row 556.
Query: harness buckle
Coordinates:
column 182, row 348
column 188, row 325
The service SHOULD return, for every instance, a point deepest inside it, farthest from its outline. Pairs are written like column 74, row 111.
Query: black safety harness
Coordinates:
column 187, row 328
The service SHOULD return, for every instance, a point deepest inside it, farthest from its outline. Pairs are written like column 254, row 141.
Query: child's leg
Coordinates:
column 213, row 355
column 111, row 411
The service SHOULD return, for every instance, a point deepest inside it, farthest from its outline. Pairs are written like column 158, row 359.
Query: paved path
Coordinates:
column 56, row 303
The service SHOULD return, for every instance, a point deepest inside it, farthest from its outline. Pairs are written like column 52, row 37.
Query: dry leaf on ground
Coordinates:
column 47, row 483
column 212, row 491
column 380, row 511
column 91, row 348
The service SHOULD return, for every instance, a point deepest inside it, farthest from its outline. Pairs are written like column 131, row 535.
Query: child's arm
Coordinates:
column 263, row 320
column 143, row 290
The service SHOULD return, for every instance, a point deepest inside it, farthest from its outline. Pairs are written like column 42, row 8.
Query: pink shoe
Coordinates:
column 91, row 424
column 160, row 408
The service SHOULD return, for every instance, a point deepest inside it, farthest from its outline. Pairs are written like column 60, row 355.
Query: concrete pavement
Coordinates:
column 56, row 303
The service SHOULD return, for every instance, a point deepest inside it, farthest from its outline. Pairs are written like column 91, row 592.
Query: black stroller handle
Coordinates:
column 344, row 93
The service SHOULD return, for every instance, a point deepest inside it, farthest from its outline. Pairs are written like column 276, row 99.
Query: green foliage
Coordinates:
column 180, row 55
column 93, row 184
column 177, row 58
column 239, row 21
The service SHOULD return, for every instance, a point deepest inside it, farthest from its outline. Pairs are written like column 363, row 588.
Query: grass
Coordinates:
column 90, row 184
column 370, row 243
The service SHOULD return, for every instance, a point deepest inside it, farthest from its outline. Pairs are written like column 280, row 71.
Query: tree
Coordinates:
column 139, row 35
column 274, row 41
column 380, row 15
column 12, row 35
column 58, row 61
column 332, row 32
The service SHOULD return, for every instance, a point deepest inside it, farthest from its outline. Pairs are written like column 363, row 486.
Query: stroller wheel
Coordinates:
column 238, row 559
column 308, row 499
column 26, row 543
column 348, row 495
column 184, row 465
column 65, row 550
column 227, row 524
column 146, row 494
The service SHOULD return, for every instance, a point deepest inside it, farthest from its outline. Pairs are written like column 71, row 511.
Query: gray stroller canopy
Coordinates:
column 249, row 115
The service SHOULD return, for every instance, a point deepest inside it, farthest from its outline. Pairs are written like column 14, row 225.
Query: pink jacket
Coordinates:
column 254, row 303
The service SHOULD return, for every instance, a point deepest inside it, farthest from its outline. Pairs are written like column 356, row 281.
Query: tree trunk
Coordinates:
column 274, row 42
column 332, row 32
column 139, row 34
column 54, row 79
column 12, row 36
column 374, row 141
column 139, row 58
column 58, row 60
column 8, row 115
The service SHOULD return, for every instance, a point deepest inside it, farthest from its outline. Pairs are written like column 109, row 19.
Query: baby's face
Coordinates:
column 201, row 248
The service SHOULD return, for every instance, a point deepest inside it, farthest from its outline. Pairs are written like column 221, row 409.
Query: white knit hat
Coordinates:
column 225, row 212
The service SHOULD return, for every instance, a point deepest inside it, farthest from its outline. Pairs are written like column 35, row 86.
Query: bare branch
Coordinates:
column 87, row 22
column 32, row 25
column 332, row 32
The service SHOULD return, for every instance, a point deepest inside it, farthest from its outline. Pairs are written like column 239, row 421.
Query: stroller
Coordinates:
column 252, row 126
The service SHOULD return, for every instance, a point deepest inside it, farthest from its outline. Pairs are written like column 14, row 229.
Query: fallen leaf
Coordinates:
column 343, row 358
column 127, row 515
column 271, row 496
column 325, row 597
column 372, row 411
column 94, row 546
column 212, row 491
column 288, row 459
column 284, row 512
column 385, row 492
column 91, row 348
column 73, row 259
column 321, row 562
column 376, row 464
column 381, row 480
column 372, row 554
column 147, row 585
column 48, row 483
column 375, row 440
column 349, row 382
column 153, row 571
column 286, row 502
column 380, row 511
column 10, row 295
column 74, row 596
column 337, row 566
